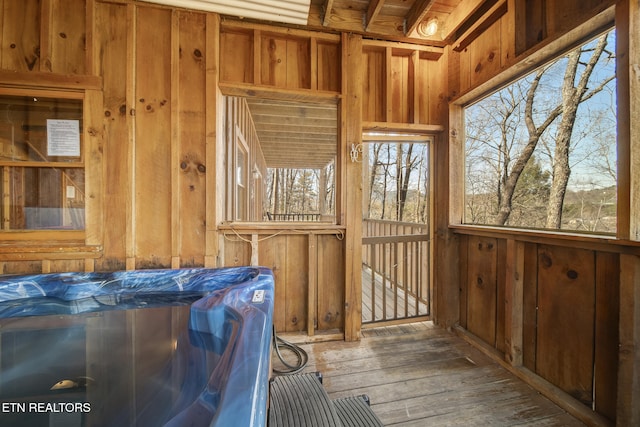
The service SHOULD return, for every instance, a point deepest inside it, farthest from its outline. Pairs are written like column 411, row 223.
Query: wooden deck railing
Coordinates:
column 293, row 217
column 395, row 258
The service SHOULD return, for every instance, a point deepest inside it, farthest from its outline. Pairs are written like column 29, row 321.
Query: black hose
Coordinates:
column 301, row 356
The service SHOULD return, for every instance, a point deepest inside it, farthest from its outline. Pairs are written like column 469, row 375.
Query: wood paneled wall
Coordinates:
column 402, row 84
column 155, row 138
column 553, row 307
column 293, row 60
column 568, row 312
column 308, row 268
column 509, row 32
column 154, row 67
column 149, row 171
column 44, row 35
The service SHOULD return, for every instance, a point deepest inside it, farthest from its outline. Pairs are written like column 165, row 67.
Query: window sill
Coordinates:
column 39, row 250
column 602, row 242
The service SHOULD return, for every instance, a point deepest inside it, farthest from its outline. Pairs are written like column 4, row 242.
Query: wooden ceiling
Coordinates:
column 294, row 134
column 396, row 19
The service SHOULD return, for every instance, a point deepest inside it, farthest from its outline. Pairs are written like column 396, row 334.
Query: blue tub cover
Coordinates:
column 237, row 389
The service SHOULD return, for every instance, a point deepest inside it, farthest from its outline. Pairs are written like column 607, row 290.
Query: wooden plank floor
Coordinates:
column 421, row 375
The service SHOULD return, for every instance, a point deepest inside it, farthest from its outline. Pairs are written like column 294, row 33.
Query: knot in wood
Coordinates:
column 545, row 260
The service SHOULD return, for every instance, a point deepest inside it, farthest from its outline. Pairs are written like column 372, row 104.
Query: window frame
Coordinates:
column 240, row 178
column 524, row 65
column 42, row 234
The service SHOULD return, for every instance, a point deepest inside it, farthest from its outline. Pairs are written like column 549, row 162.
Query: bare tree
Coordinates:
column 405, row 163
column 575, row 91
column 375, row 166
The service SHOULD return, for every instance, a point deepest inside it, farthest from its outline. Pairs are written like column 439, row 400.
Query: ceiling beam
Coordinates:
column 326, row 12
column 458, row 16
column 375, row 6
column 417, row 13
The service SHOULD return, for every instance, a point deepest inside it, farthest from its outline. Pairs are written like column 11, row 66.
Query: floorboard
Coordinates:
column 421, row 375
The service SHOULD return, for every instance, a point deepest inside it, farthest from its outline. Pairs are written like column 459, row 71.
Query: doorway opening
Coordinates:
column 396, row 230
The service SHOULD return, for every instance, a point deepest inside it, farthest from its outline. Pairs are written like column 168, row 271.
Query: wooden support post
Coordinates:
column 255, row 261
column 130, row 206
column 213, row 207
column 448, row 210
column 628, row 410
column 312, row 291
column 628, row 70
column 94, row 187
column 175, row 140
column 352, row 134
column 514, row 300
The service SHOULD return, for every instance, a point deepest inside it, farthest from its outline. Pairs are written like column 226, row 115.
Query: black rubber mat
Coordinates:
column 300, row 401
column 355, row 412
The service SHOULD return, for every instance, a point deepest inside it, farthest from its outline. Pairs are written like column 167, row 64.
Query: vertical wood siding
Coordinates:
column 569, row 313
column 289, row 254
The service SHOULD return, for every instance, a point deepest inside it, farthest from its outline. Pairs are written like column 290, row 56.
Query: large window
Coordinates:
column 541, row 152
column 41, row 161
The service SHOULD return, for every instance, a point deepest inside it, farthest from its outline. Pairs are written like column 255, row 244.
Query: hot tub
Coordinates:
column 187, row 347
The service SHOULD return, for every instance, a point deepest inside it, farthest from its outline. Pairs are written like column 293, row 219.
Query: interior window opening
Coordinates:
column 41, row 163
column 285, row 160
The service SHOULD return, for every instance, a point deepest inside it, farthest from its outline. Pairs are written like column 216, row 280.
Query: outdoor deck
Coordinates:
column 387, row 302
column 419, row 374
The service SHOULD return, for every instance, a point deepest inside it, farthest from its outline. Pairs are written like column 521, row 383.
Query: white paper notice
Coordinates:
column 63, row 137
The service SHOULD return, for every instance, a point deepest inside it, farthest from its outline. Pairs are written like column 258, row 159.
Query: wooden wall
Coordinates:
column 287, row 60
column 551, row 308
column 148, row 173
column 309, row 271
column 403, row 84
column 510, row 31
column 154, row 81
column 567, row 313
